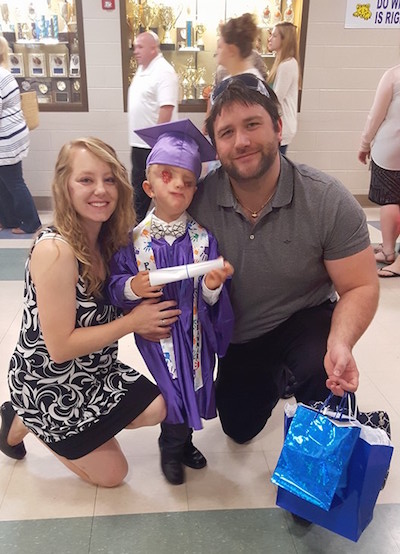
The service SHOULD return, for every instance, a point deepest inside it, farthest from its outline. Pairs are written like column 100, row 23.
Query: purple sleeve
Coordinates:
column 122, row 266
column 217, row 320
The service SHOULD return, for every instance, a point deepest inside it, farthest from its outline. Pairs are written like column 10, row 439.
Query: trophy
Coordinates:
column 74, row 65
column 65, row 12
column 266, row 15
column 188, row 77
column 186, row 89
column 133, row 18
column 200, row 30
column 289, row 13
column 132, row 68
column 200, row 82
column 43, row 91
column 5, row 15
column 167, row 18
column 58, row 65
column 16, row 64
column 72, row 23
column 147, row 14
column 277, row 14
column 37, row 64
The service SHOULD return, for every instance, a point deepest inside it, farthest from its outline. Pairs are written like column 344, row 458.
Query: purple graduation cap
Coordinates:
column 178, row 143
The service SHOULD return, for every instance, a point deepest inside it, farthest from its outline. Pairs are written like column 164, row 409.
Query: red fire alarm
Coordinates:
column 108, row 4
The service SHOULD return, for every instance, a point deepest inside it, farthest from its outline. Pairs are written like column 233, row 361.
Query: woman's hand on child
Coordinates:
column 153, row 320
column 217, row 277
column 140, row 286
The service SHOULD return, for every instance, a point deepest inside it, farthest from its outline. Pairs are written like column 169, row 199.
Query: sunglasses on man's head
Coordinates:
column 251, row 81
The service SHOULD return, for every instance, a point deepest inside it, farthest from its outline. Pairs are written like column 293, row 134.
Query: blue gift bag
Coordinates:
column 355, row 498
column 352, row 511
column 315, row 455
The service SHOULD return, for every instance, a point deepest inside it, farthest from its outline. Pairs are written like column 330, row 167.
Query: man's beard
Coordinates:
column 267, row 160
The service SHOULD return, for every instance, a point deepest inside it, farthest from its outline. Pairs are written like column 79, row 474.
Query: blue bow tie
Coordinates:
column 159, row 230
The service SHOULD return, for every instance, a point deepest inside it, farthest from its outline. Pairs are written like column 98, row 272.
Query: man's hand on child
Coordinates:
column 217, row 277
column 140, row 286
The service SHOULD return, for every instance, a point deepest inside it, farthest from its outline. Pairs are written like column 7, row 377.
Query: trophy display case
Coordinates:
column 188, row 32
column 47, row 51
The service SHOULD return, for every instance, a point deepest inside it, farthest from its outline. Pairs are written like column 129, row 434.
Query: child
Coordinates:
column 183, row 361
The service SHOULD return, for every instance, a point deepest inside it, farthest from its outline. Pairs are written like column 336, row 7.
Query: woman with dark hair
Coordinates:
column 66, row 384
column 235, row 46
column 235, row 55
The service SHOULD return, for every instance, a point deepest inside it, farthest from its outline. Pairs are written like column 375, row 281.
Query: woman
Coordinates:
column 235, row 55
column 257, row 66
column 380, row 141
column 284, row 77
column 17, row 210
column 65, row 381
column 235, row 46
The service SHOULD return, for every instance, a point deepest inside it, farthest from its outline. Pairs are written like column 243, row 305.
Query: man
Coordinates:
column 294, row 236
column 152, row 99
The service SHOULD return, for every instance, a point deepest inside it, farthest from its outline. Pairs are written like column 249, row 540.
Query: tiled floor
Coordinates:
column 229, row 507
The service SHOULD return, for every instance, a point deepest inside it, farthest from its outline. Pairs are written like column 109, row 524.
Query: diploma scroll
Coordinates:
column 180, row 272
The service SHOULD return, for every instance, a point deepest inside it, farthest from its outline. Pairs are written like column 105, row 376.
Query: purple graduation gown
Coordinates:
column 184, row 404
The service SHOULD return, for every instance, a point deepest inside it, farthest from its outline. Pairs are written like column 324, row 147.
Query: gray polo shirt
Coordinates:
column 279, row 261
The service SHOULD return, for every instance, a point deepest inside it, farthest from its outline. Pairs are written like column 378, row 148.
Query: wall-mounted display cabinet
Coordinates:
column 188, row 32
column 47, row 51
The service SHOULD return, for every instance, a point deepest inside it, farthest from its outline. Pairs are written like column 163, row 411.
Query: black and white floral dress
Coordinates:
column 77, row 405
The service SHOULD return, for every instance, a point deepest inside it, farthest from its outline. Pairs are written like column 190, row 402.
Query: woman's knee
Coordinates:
column 106, row 466
column 159, row 409
column 155, row 413
column 112, row 477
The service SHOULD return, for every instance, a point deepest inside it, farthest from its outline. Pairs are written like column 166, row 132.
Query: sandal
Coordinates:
column 387, row 273
column 383, row 258
column 8, row 414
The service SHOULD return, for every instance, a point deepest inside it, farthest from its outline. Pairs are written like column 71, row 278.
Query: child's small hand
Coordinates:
column 140, row 286
column 218, row 276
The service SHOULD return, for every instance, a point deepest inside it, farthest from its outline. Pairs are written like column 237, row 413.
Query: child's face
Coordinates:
column 171, row 188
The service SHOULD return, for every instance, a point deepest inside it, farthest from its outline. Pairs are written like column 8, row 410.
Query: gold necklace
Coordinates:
column 254, row 213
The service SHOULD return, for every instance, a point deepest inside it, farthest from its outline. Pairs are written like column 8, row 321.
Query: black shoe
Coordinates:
column 171, row 442
column 300, row 520
column 192, row 457
column 18, row 451
column 291, row 385
column 172, row 468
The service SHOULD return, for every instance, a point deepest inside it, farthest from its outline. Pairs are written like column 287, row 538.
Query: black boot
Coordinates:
column 192, row 457
column 291, row 384
column 171, row 442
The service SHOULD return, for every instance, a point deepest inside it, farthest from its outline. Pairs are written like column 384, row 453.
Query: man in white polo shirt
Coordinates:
column 152, row 99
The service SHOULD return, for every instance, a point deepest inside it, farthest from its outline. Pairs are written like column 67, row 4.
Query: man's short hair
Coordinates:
column 246, row 89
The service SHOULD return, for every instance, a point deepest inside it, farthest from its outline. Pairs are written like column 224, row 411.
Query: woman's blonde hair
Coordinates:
column 114, row 231
column 289, row 48
column 4, row 51
column 240, row 31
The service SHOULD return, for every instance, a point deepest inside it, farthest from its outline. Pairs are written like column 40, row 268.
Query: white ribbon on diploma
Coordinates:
column 180, row 272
